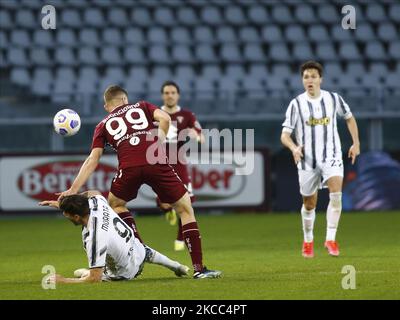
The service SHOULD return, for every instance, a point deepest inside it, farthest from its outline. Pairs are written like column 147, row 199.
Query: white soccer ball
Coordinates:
column 67, row 122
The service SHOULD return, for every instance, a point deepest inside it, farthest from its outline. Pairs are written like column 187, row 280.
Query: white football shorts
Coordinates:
column 312, row 180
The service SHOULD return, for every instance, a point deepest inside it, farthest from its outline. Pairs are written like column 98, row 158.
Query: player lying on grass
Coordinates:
column 111, row 247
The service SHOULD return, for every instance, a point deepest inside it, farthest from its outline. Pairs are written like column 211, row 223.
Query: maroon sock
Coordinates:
column 130, row 221
column 179, row 236
column 192, row 238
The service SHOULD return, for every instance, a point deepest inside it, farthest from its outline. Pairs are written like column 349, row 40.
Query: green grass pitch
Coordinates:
column 260, row 255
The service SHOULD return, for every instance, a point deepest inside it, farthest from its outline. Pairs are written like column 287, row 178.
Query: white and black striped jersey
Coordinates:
column 109, row 242
column 315, row 126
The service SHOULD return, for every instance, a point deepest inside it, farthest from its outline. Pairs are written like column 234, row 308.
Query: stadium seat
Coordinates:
column 279, row 70
column 211, row 16
column 328, row 14
column 279, row 52
column 117, row 17
column 187, row 16
column 249, row 34
column 42, row 38
column 203, row 34
column 66, row 37
column 75, row 3
column 272, row 33
column 253, row 53
column 234, row 15
column 302, row 51
column 24, row 18
column 42, row 74
column 318, row 32
column 164, row 16
column 134, row 36
column 138, row 72
column 394, row 50
column 112, row 36
column 376, row 13
column 371, row 80
column 106, row 4
column 111, row 56
column 392, row 79
column 387, row 32
column 258, row 71
column 333, row 69
column 339, row 34
column 36, row 4
column 375, row 51
column 88, row 56
column 20, row 76
column 115, row 73
column 17, row 57
column 254, row 87
column 65, row 56
column 20, row 38
column 89, row 37
column 204, row 88
column 157, row 35
column 295, row 83
column 154, row 85
column 258, row 14
column 357, row 69
column 379, row 69
column 326, row 51
column 182, row 54
column 364, row 32
column 227, row 86
column 93, row 17
column 276, row 83
column 66, row 73
column 134, row 54
column 348, row 81
column 230, row 53
column 159, row 54
column 225, row 34
column 349, row 51
column 180, row 35
column 281, row 14
column 205, row 53
column 71, row 18
column 295, row 33
column 163, row 72
column 235, row 71
column 86, row 86
column 41, row 88
column 211, row 71
column 40, row 57
column 185, row 72
column 5, row 20
column 89, row 73
column 141, row 17
column 394, row 12
column 305, row 14
column 3, row 40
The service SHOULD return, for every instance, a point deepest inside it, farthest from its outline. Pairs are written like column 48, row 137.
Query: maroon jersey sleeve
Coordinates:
column 193, row 123
column 99, row 139
column 151, row 108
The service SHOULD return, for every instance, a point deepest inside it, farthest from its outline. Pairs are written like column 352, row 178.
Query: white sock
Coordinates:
column 333, row 215
column 308, row 218
column 160, row 259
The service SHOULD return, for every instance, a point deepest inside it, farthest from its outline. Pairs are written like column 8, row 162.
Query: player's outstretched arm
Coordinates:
column 354, row 150
column 164, row 121
column 288, row 142
column 95, row 275
column 85, row 172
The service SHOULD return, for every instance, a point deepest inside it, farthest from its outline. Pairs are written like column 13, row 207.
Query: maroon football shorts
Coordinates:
column 162, row 178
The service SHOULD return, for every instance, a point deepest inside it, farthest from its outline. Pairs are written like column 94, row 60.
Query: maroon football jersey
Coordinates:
column 130, row 130
column 180, row 120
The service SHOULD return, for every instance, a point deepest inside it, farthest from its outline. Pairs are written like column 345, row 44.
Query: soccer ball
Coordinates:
column 67, row 122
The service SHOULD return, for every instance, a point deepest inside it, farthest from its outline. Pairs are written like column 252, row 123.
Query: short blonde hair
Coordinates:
column 114, row 91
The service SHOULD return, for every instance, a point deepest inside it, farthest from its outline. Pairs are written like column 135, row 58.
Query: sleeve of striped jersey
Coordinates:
column 96, row 246
column 343, row 109
column 291, row 117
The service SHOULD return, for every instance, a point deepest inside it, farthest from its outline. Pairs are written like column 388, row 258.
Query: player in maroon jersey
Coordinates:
column 130, row 130
column 183, row 125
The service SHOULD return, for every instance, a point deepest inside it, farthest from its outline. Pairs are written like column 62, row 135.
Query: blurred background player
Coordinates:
column 183, row 122
column 317, row 151
column 130, row 130
column 113, row 252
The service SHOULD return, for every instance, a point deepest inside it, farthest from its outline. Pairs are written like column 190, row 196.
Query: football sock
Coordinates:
column 160, row 259
column 192, row 238
column 333, row 215
column 308, row 218
column 179, row 235
column 130, row 221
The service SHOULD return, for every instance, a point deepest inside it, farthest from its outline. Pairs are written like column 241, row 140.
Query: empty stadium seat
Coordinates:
column 89, row 37
column 66, row 37
column 253, row 53
column 333, row 69
column 258, row 71
column 93, row 17
column 235, row 71
column 394, row 12
column 211, row 72
column 185, row 72
column 281, row 14
column 225, row 34
column 230, row 53
column 272, row 33
column 203, row 34
column 134, row 54
column 295, row 33
column 328, row 14
column 118, row 17
column 42, row 38
column 318, row 32
column 364, row 32
column 394, row 50
column 375, row 50
column 187, row 17
column 65, row 56
column 88, row 56
column 356, row 69
column 40, row 57
column 20, row 76
column 258, row 15
column 20, row 38
column 112, row 36
column 134, row 36
column 379, row 69
column 66, row 73
column 157, row 35
column 71, row 18
column 326, row 51
column 205, row 53
column 279, row 52
column 234, row 15
column 159, row 54
column 305, row 14
column 249, row 34
column 180, row 35
column 26, row 19
column 340, row 34
column 164, row 16
column 303, row 51
column 349, row 51
column 110, row 56
column 212, row 16
column 17, row 57
column 387, row 32
column 141, row 16
column 138, row 72
column 375, row 12
column 182, row 54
